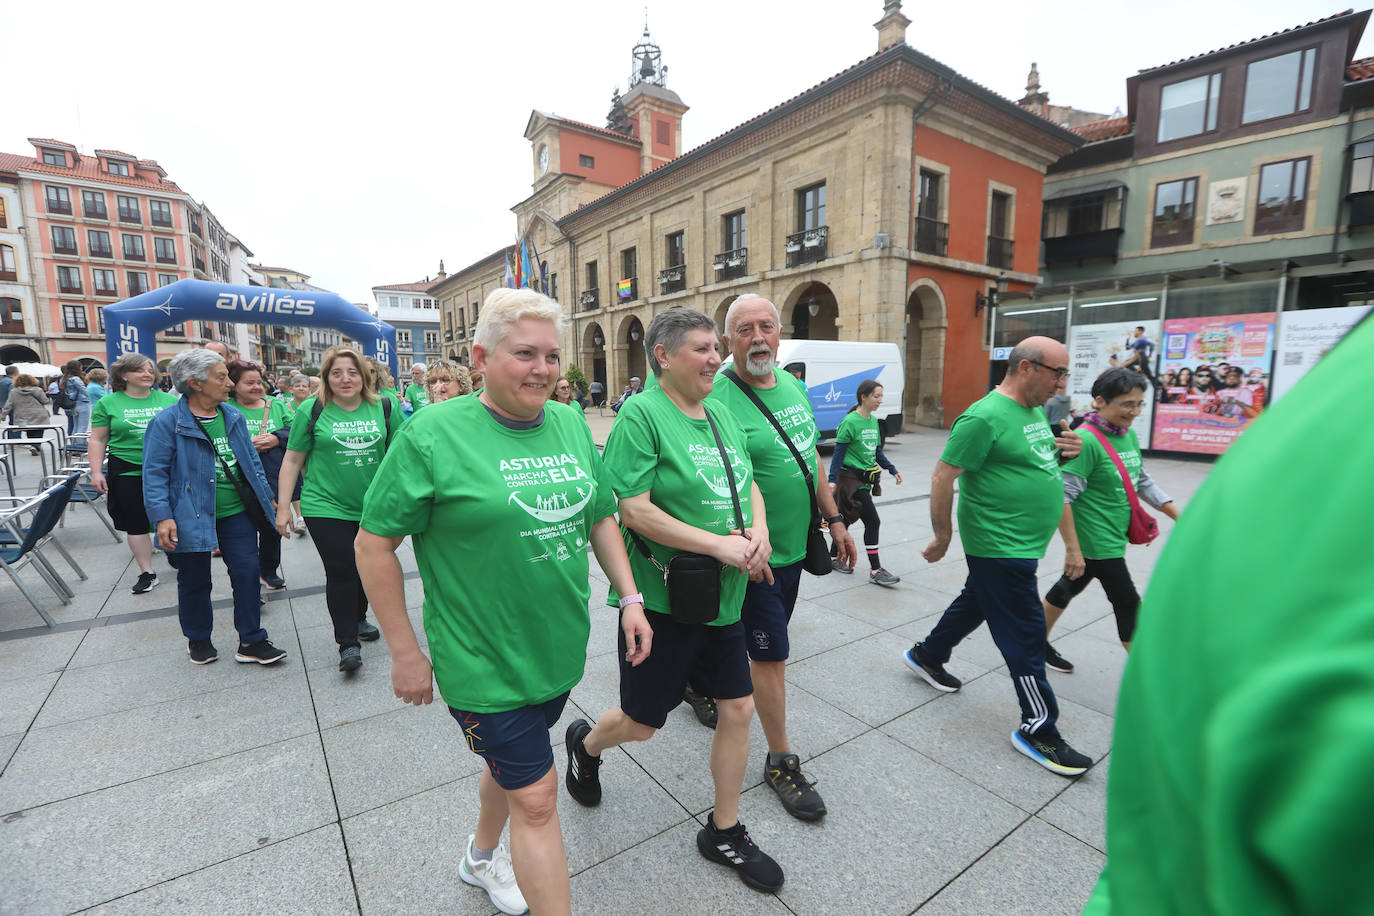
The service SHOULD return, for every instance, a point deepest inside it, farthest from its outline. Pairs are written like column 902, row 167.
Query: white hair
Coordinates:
column 745, row 299
column 191, row 364
column 505, row 306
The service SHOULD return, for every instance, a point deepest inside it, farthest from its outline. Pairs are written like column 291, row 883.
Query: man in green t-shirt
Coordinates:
column 1244, row 732
column 417, row 395
column 752, row 327
column 1011, row 497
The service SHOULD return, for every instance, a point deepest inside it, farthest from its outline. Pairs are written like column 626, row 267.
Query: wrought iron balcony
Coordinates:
column 932, row 236
column 673, row 279
column 1084, row 246
column 807, row 246
column 589, row 299
column 999, row 252
column 59, row 206
column 731, row 264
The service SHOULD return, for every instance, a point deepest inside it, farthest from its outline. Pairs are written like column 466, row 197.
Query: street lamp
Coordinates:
column 814, row 306
column 636, row 333
column 990, row 300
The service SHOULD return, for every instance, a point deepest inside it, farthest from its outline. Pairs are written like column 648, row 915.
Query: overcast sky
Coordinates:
column 361, row 149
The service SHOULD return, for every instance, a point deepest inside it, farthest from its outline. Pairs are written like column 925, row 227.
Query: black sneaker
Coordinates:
column 146, row 583
column 264, row 653
column 273, row 581
column 367, row 632
column 798, row 794
column 734, row 849
column 704, row 707
column 202, row 651
column 583, row 780
column 1056, row 661
column 350, row 658
column 933, row 674
column 1054, row 754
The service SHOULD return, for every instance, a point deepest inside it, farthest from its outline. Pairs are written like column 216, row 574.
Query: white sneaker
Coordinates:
column 496, row 876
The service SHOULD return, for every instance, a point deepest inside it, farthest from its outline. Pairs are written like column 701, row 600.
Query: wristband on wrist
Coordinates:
column 836, row 519
column 636, row 598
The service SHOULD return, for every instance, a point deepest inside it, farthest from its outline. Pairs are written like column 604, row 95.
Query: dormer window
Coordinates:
column 1278, row 86
column 55, row 157
column 1189, row 107
column 115, row 167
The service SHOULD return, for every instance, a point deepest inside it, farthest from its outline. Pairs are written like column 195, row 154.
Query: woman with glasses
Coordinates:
column 563, row 394
column 445, row 379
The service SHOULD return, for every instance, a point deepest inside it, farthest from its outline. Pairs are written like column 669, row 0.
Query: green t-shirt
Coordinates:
column 417, row 396
column 227, row 501
column 776, row 472
column 861, row 438
column 654, row 447
column 279, row 416
column 126, row 418
column 1011, row 495
column 1102, row 513
column 345, row 452
column 1245, row 722
column 500, row 519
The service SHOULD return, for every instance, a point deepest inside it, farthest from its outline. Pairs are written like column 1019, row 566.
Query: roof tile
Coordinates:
column 1361, row 69
column 1250, row 41
column 1105, row 129
column 89, row 169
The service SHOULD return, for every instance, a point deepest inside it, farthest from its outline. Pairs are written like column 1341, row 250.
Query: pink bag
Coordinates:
column 1142, row 528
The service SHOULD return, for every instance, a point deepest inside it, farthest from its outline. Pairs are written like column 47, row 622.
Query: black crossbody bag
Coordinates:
column 817, row 561
column 247, row 495
column 693, row 579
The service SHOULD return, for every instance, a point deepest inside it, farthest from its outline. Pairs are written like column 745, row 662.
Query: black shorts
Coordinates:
column 125, row 497
column 766, row 612
column 515, row 743
column 711, row 659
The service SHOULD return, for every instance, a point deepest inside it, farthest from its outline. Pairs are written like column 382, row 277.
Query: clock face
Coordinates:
column 543, row 159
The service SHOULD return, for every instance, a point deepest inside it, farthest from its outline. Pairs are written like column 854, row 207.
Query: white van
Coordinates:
column 832, row 371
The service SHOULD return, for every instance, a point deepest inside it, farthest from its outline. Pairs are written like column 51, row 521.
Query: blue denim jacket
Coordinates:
column 179, row 473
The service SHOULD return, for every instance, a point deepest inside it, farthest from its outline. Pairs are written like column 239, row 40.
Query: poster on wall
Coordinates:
column 1215, row 375
column 1305, row 337
column 1095, row 348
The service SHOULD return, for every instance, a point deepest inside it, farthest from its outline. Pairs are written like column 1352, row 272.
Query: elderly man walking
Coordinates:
column 787, row 478
column 1011, row 499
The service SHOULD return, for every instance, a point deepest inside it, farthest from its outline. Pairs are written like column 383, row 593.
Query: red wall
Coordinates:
column 616, row 163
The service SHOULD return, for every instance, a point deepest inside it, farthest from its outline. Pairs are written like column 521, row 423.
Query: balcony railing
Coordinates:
column 129, row 216
column 159, row 220
column 12, row 327
column 131, row 254
column 628, row 293
column 1085, row 246
column 731, row 264
column 69, row 287
column 64, row 248
column 96, row 212
column 932, row 236
column 194, row 226
column 589, row 299
column 673, row 279
column 999, row 252
column 59, row 206
column 807, row 246
column 448, row 337
column 199, row 264
column 102, row 251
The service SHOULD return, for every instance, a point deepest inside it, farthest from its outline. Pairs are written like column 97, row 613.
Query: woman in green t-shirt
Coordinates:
column 269, row 423
column 345, row 440
column 118, row 421
column 446, row 379
column 1097, row 511
column 562, row 393
column 855, row 469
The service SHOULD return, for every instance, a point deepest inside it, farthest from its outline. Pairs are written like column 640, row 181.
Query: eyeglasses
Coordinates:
column 1060, row 374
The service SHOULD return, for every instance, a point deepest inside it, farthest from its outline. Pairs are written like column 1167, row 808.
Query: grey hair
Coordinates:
column 1023, row 351
column 421, row 366
column 730, row 312
column 191, row 364
column 670, row 328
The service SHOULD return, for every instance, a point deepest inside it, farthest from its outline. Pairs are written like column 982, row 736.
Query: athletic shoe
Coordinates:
column 216, row 553
column 367, row 632
column 1056, row 661
column 1054, row 754
column 798, row 794
column 264, row 653
column 350, row 658
column 202, row 652
column 300, row 527
column 734, row 849
column 704, row 707
column 146, row 583
column 881, row 576
column 839, row 567
column 273, row 581
column 583, row 780
column 933, row 674
column 496, row 876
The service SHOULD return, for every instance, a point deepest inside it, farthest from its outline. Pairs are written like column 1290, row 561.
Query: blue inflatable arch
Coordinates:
column 131, row 326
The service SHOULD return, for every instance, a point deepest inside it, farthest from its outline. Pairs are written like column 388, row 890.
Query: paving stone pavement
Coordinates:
column 136, row 782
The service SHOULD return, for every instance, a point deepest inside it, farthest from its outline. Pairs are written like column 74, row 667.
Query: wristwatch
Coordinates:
column 834, row 519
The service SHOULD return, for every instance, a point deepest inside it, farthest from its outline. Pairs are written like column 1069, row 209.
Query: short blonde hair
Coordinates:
column 504, row 307
column 364, row 369
column 99, row 376
column 458, row 373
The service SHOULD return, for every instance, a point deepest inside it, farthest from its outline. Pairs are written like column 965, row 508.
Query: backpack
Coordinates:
column 63, row 400
column 318, row 408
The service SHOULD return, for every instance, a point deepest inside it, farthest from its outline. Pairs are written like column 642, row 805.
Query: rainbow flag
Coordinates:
column 622, row 290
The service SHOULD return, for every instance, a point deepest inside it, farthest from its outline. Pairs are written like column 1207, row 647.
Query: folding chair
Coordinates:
column 84, row 492
column 47, row 507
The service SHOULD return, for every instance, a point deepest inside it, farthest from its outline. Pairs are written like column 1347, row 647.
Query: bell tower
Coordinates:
column 652, row 112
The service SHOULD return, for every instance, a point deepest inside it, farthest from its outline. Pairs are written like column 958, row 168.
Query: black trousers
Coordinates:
column 1116, row 582
column 868, row 514
column 343, row 588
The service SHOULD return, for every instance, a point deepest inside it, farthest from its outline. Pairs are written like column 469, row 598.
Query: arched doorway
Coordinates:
column 17, row 353
column 632, row 336
column 464, row 357
column 593, row 363
column 89, row 362
column 814, row 313
column 721, row 311
column 924, row 355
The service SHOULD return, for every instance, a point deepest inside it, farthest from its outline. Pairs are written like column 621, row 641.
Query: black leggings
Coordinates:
column 1116, row 582
column 343, row 588
column 868, row 514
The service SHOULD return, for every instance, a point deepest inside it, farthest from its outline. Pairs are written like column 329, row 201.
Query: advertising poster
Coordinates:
column 1305, row 337
column 1095, row 348
column 1215, row 373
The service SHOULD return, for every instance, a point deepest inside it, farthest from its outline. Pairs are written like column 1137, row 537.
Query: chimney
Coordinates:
column 892, row 27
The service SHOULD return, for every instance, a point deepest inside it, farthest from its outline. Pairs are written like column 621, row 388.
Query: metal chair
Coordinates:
column 47, row 507
column 84, row 492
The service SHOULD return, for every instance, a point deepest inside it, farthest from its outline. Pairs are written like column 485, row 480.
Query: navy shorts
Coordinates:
column 711, row 659
column 767, row 611
column 514, row 743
